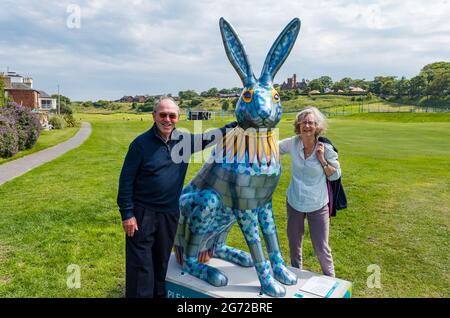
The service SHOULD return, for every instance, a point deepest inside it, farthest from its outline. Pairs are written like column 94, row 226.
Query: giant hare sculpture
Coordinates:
column 238, row 182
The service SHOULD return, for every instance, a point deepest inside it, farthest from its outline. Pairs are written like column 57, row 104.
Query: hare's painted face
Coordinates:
column 259, row 107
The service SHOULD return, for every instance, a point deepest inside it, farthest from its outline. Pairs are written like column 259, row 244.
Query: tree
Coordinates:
column 212, row 92
column 347, row 81
column 88, row 104
column 196, row 101
column 225, row 105
column 101, row 104
column 388, row 87
column 2, row 93
column 236, row 90
column 189, row 94
column 64, row 99
column 380, row 85
column 440, row 85
column 316, row 84
column 338, row 86
column 286, row 95
column 417, row 86
column 326, row 81
column 65, row 103
column 402, row 87
column 437, row 78
column 362, row 83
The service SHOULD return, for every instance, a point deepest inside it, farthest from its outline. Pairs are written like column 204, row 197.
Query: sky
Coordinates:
column 100, row 49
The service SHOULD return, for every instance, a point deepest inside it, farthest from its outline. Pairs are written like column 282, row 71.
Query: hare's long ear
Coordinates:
column 280, row 51
column 236, row 52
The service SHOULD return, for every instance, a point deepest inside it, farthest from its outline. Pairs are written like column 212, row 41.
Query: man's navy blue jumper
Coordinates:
column 150, row 186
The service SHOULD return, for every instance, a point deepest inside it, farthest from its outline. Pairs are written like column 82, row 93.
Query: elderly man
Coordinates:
column 150, row 185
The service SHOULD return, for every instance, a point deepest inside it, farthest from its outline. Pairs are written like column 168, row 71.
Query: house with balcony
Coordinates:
column 20, row 90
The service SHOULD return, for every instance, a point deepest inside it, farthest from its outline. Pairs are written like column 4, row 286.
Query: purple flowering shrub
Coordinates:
column 19, row 129
column 9, row 140
column 25, row 122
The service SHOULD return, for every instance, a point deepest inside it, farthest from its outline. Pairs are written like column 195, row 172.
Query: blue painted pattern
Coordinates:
column 236, row 184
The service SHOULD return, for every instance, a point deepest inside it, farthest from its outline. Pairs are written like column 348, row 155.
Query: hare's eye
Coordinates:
column 275, row 97
column 247, row 95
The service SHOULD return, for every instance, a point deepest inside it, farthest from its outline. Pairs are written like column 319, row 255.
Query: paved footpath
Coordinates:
column 13, row 169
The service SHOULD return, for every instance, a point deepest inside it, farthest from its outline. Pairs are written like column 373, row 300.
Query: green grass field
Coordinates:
column 395, row 173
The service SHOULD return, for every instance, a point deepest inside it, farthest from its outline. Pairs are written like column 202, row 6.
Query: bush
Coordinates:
column 25, row 123
column 9, row 140
column 65, row 109
column 70, row 120
column 57, row 122
column 147, row 107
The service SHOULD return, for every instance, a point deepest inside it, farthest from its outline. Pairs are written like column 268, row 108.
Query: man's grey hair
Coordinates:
column 161, row 99
column 320, row 119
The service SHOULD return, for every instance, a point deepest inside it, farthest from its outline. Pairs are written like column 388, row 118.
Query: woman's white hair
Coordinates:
column 320, row 120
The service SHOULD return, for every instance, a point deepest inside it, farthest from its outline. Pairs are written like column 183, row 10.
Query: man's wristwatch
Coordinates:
column 325, row 165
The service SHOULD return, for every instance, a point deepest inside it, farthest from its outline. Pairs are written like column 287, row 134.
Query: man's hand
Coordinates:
column 129, row 226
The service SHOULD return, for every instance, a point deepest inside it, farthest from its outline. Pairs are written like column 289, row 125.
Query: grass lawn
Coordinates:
column 395, row 174
column 48, row 138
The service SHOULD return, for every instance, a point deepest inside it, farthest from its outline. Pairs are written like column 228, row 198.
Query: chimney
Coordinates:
column 28, row 81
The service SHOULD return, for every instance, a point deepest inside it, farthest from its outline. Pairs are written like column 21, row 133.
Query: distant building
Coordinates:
column 303, row 85
column 357, row 90
column 126, row 99
column 139, row 99
column 314, row 92
column 46, row 102
column 291, row 83
column 20, row 89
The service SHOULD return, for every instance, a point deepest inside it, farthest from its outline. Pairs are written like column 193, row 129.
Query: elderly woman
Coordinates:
column 307, row 196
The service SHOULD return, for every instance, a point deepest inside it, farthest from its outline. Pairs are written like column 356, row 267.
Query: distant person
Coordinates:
column 150, row 185
column 307, row 196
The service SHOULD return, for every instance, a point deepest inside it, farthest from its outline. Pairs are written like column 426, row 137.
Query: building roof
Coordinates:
column 19, row 86
column 356, row 89
column 44, row 94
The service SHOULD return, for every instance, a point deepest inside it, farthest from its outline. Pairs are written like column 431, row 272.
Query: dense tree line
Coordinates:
column 432, row 81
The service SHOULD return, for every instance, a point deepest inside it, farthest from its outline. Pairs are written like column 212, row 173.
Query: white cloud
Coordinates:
column 137, row 47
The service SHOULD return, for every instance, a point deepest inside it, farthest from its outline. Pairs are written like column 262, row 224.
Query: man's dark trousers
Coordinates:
column 148, row 253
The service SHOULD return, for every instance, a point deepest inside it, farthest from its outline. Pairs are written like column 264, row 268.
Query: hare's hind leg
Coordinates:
column 226, row 252
column 200, row 208
column 248, row 222
column 267, row 224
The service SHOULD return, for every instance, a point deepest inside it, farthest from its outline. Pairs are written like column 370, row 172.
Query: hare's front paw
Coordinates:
column 273, row 289
column 216, row 277
column 285, row 276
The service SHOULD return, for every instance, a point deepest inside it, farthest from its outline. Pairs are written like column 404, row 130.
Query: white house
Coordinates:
column 46, row 102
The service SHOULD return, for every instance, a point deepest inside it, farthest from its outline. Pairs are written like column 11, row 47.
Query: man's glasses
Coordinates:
column 170, row 115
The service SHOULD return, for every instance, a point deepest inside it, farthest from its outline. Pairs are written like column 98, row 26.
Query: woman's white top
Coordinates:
column 308, row 191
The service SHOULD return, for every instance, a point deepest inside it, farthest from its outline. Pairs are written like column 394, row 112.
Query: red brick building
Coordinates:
column 20, row 92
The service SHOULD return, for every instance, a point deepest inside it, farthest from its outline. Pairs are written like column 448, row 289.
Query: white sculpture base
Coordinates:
column 243, row 283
